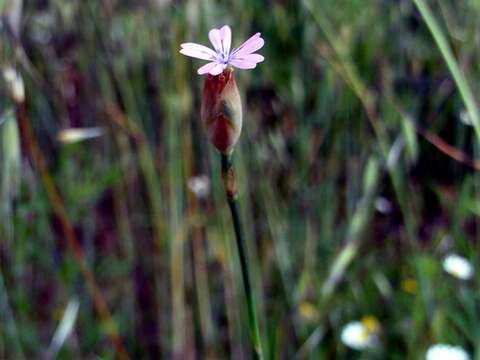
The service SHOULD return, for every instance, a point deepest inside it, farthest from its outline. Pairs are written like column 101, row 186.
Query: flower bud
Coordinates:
column 222, row 110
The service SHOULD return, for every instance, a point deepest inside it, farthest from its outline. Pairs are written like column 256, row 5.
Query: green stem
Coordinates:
column 229, row 183
column 458, row 76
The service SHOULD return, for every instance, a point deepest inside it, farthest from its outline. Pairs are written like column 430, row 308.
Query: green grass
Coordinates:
column 343, row 112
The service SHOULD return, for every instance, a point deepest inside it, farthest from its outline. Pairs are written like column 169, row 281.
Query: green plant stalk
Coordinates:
column 229, row 183
column 458, row 76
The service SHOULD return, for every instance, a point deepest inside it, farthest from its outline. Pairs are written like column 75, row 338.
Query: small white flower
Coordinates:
column 14, row 84
column 199, row 185
column 446, row 352
column 361, row 335
column 458, row 266
column 465, row 118
column 383, row 205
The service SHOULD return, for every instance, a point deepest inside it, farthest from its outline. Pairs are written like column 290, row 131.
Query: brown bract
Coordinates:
column 222, row 110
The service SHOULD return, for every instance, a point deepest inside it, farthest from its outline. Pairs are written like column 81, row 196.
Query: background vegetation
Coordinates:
column 356, row 179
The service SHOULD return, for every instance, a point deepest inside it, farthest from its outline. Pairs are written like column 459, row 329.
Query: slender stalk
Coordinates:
column 58, row 207
column 230, row 185
column 457, row 74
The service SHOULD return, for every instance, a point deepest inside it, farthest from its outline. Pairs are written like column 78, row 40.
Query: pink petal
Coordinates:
column 198, row 51
column 218, row 69
column 216, row 39
column 212, row 68
column 205, row 69
column 254, row 58
column 226, row 37
column 243, row 64
column 254, row 43
column 247, row 61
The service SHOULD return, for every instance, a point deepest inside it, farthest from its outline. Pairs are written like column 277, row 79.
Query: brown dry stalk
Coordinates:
column 448, row 149
column 59, row 209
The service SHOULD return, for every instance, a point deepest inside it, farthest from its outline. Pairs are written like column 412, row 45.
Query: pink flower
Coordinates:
column 242, row 57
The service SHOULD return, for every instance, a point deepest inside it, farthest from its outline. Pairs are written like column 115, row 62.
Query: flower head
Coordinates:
column 361, row 335
column 446, row 352
column 409, row 285
column 307, row 311
column 458, row 266
column 199, row 185
column 242, row 57
column 465, row 118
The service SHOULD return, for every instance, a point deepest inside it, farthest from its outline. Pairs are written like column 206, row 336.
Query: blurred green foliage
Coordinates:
column 349, row 191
